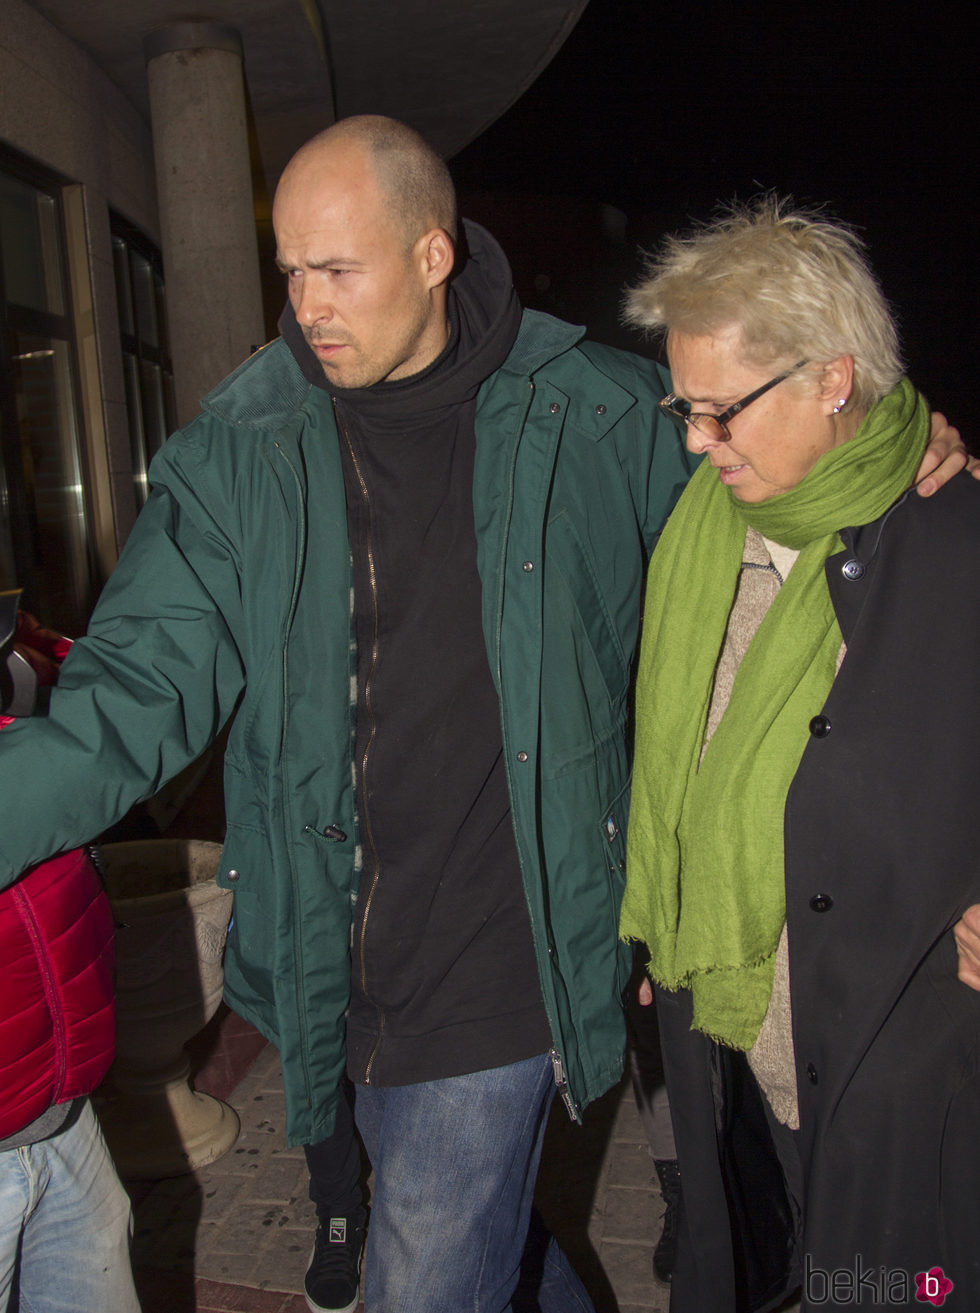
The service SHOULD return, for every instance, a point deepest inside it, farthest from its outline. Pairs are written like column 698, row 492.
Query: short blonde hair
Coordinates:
column 797, row 285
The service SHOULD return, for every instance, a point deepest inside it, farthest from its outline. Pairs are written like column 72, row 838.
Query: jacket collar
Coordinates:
column 269, row 387
column 850, row 572
column 540, row 340
column 263, row 392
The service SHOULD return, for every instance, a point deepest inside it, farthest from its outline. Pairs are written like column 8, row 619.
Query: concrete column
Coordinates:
column 207, row 220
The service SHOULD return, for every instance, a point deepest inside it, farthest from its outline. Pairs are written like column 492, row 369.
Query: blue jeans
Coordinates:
column 64, row 1211
column 455, row 1163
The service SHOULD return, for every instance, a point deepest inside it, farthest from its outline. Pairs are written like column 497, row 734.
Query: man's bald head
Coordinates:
column 364, row 216
column 415, row 183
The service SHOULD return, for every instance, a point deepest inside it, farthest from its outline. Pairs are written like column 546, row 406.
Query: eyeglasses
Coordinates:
column 715, row 427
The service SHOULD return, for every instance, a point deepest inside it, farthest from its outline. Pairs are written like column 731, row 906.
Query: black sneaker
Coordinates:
column 670, row 1188
column 333, row 1276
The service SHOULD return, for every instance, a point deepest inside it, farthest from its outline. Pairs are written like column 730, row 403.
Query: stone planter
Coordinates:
column 172, row 926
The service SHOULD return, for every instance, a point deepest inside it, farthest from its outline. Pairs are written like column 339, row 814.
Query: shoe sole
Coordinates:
column 319, row 1308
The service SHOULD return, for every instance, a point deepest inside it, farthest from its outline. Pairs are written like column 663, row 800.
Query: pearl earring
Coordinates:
column 840, row 405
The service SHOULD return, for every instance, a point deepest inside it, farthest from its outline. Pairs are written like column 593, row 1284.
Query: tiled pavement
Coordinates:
column 235, row 1237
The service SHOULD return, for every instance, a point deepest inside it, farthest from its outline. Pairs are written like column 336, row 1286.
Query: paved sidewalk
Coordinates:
column 235, row 1237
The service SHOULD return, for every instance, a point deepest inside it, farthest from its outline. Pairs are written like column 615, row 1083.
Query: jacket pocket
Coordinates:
column 584, row 673
column 246, row 865
column 574, row 564
column 584, row 833
column 614, row 836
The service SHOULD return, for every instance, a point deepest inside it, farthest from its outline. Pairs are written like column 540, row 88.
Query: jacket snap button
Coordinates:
column 811, row 1073
column 233, row 875
column 600, row 409
column 852, row 570
column 554, row 408
column 527, row 567
column 821, row 902
column 522, row 756
column 819, row 727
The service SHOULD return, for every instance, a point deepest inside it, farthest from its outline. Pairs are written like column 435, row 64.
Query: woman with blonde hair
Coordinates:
column 807, row 749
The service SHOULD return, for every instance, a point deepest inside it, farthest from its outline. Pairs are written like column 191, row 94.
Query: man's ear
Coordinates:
column 437, row 253
column 836, row 382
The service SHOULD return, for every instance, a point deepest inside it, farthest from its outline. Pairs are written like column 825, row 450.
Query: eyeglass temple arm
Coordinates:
column 754, row 396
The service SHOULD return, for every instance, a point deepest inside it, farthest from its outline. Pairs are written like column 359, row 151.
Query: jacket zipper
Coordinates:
column 561, row 1083
column 367, row 830
column 284, row 758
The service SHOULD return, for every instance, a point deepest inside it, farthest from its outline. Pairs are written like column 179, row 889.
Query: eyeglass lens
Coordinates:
column 705, row 424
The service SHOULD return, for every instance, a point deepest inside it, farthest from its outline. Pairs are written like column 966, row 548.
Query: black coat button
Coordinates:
column 811, row 1073
column 819, row 727
column 554, row 408
column 852, row 570
column 821, row 902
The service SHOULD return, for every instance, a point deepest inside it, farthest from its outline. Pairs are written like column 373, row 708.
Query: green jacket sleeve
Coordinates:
column 140, row 696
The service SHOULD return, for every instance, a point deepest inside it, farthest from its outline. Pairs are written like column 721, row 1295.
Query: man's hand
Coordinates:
column 944, row 457
column 967, row 932
column 645, row 993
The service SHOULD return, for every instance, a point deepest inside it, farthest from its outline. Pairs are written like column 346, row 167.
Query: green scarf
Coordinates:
column 705, row 880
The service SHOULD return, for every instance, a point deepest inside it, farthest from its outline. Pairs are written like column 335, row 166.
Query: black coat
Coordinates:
column 882, row 858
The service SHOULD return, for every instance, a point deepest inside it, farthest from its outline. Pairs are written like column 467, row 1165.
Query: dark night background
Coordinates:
column 650, row 114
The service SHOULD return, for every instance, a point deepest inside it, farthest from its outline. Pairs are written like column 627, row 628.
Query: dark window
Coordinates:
column 44, row 545
column 145, row 346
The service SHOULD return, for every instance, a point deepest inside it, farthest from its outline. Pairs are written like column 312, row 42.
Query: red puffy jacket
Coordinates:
column 57, row 1013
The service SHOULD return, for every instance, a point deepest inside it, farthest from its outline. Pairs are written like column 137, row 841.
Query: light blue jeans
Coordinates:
column 67, row 1217
column 455, row 1163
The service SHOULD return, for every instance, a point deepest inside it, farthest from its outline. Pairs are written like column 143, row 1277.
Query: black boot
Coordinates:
column 670, row 1188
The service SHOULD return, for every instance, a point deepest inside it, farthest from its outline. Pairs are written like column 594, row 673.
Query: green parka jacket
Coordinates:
column 233, row 595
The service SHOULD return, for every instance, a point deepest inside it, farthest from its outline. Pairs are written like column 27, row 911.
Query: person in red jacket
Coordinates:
column 65, row 1219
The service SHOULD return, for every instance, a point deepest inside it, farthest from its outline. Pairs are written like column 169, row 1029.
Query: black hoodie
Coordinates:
column 444, row 980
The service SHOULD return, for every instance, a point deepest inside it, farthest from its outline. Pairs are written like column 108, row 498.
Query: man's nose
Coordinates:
column 312, row 306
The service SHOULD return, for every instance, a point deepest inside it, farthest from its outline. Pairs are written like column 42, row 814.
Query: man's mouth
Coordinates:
column 315, row 338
